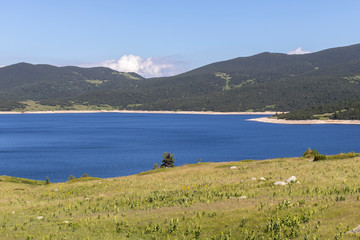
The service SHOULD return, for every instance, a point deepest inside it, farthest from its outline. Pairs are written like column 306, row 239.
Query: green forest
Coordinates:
column 305, row 85
column 345, row 110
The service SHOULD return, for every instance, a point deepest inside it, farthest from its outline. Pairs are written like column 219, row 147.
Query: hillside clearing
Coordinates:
column 198, row 201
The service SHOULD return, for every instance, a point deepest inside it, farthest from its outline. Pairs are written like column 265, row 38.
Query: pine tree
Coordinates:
column 168, row 160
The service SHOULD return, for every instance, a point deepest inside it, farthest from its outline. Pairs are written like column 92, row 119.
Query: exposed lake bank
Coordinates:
column 141, row 111
column 283, row 121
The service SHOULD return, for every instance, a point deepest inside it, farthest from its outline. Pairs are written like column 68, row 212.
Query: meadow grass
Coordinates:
column 96, row 82
column 34, row 106
column 195, row 201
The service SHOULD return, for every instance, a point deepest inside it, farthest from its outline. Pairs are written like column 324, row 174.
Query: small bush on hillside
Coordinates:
column 310, row 153
column 315, row 154
column 71, row 177
column 318, row 157
column 168, row 160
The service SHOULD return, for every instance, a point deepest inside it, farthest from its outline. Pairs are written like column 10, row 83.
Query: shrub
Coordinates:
column 85, row 175
column 313, row 153
column 168, row 160
column 318, row 157
column 71, row 177
column 310, row 153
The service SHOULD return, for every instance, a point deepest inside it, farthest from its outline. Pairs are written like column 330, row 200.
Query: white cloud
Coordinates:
column 298, row 51
column 2, row 66
column 146, row 67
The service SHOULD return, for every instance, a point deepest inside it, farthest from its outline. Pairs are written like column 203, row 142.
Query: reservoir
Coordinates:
column 106, row 145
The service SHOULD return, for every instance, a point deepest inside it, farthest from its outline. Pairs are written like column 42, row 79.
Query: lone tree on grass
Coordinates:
column 168, row 160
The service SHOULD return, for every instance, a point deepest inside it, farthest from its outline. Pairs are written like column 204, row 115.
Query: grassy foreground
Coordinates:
column 199, row 201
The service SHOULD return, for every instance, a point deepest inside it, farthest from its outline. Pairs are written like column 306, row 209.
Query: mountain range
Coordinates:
column 266, row 81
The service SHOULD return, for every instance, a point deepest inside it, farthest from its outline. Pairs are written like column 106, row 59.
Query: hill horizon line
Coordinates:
column 220, row 61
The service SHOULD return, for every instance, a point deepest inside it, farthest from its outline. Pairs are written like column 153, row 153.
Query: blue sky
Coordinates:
column 165, row 37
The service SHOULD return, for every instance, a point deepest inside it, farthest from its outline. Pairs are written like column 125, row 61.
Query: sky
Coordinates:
column 166, row 37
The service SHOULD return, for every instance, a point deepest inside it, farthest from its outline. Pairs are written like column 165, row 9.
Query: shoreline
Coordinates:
column 141, row 111
column 303, row 122
column 260, row 119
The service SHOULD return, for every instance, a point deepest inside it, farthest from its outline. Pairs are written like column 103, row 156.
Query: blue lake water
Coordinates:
column 105, row 145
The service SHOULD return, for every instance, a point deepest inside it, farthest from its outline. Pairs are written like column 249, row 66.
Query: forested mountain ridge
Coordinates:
column 266, row 81
column 24, row 81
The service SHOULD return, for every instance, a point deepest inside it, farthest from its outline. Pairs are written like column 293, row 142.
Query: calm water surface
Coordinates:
column 115, row 144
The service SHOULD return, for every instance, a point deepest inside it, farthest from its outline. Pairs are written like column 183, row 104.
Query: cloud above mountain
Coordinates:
column 298, row 51
column 146, row 67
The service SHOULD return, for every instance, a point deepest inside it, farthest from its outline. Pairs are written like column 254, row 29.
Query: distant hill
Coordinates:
column 266, row 81
column 24, row 81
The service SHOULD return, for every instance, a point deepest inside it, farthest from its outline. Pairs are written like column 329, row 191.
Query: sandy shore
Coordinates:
column 261, row 119
column 135, row 111
column 282, row 121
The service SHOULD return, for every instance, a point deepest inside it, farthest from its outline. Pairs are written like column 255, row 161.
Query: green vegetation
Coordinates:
column 266, row 81
column 96, row 82
column 35, row 106
column 133, row 105
column 347, row 110
column 11, row 105
column 227, row 79
column 168, row 160
column 319, row 157
column 23, row 81
column 7, row 179
column 314, row 154
column 249, row 81
column 353, row 79
column 47, row 181
column 194, row 201
column 128, row 75
column 310, row 153
column 84, row 178
column 343, row 156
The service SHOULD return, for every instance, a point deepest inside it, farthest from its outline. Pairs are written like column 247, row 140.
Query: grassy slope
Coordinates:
column 201, row 200
column 34, row 106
